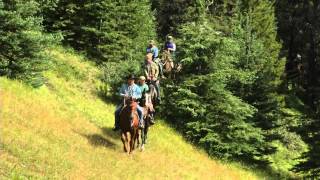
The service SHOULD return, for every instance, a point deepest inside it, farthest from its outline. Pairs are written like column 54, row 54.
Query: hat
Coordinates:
column 142, row 78
column 151, row 42
column 130, row 77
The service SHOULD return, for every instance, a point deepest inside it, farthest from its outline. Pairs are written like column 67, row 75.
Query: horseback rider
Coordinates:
column 129, row 90
column 145, row 101
column 142, row 85
column 152, row 72
column 170, row 46
column 152, row 48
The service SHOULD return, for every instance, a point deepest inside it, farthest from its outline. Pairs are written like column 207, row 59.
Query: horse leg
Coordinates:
column 133, row 140
column 128, row 135
column 142, row 136
column 123, row 139
column 138, row 138
column 146, row 133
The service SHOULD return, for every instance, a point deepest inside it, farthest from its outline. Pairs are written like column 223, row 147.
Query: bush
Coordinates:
column 22, row 51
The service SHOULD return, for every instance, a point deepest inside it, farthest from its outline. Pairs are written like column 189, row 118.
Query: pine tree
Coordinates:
column 299, row 30
column 171, row 14
column 261, row 51
column 112, row 33
column 108, row 30
column 203, row 106
column 22, row 42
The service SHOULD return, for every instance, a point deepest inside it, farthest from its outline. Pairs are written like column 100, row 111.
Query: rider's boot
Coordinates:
column 140, row 115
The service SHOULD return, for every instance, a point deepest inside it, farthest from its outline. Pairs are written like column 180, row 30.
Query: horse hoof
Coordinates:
column 142, row 148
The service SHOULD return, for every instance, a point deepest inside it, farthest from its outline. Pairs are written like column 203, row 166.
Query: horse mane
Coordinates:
column 126, row 115
column 166, row 56
column 148, row 102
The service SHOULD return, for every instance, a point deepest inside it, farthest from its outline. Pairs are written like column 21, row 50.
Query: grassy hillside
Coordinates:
column 63, row 130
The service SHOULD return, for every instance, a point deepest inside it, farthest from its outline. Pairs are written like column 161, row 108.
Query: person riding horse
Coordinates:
column 146, row 97
column 152, row 48
column 170, row 46
column 144, row 88
column 152, row 72
column 129, row 90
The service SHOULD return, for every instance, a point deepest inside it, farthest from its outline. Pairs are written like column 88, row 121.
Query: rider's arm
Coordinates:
column 157, row 71
column 146, row 72
column 122, row 91
column 156, row 52
column 137, row 93
column 170, row 46
column 173, row 47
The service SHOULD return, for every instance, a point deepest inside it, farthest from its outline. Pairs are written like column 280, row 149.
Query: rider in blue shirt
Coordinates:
column 129, row 90
column 152, row 48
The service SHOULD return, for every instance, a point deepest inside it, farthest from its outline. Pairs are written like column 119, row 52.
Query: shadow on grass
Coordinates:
column 110, row 133
column 98, row 140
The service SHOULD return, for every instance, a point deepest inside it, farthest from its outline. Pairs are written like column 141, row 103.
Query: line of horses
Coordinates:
column 131, row 135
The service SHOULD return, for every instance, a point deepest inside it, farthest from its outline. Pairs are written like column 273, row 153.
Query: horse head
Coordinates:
column 166, row 55
column 131, row 103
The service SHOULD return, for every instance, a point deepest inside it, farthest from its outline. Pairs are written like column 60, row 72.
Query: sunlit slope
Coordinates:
column 63, row 131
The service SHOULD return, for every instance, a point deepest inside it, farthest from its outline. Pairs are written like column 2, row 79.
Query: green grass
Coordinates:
column 63, row 131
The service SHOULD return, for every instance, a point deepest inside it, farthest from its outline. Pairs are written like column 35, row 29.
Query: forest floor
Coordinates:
column 63, row 131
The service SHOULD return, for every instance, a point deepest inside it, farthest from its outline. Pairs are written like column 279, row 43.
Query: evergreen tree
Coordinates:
column 299, row 30
column 108, row 30
column 22, row 42
column 202, row 104
column 231, row 58
column 113, row 33
column 171, row 14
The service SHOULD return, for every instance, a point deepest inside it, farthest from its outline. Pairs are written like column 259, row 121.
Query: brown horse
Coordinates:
column 167, row 63
column 129, row 125
column 170, row 69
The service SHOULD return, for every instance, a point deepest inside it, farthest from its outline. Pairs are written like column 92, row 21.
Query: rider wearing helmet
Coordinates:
column 129, row 90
